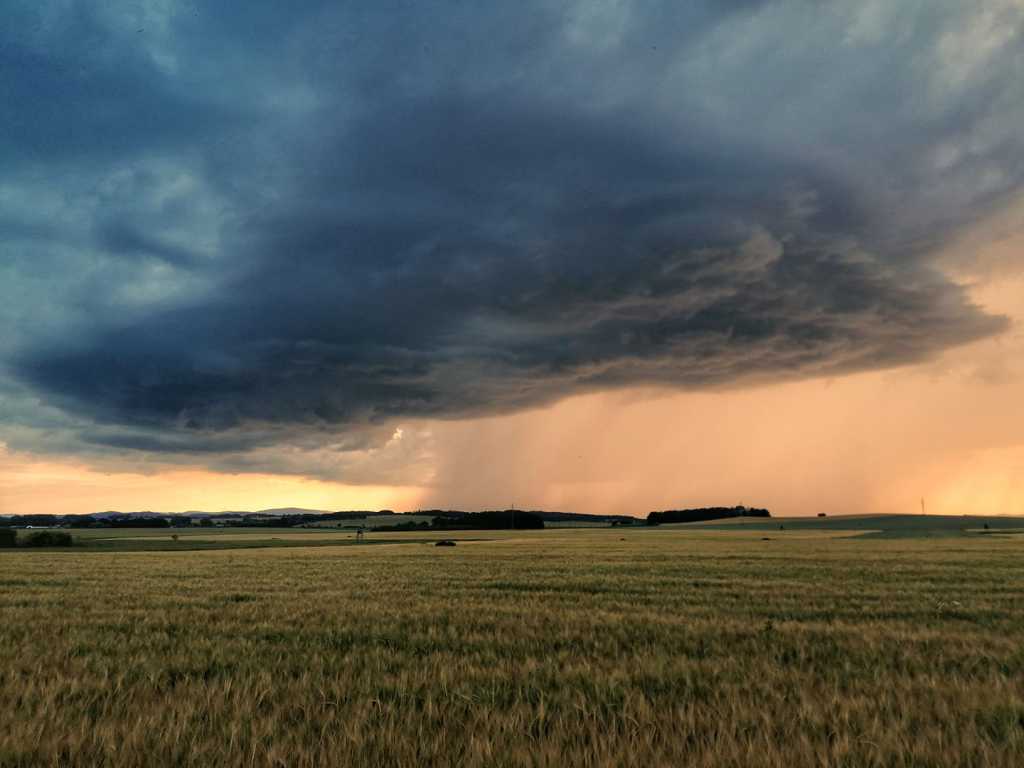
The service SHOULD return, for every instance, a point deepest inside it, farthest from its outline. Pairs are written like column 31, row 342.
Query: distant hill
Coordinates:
column 296, row 516
column 576, row 517
column 548, row 517
column 506, row 519
column 704, row 513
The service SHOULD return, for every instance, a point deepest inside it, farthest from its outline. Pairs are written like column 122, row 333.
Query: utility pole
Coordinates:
column 922, row 505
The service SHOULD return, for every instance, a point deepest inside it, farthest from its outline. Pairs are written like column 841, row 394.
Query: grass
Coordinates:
column 188, row 539
column 875, row 526
column 371, row 522
column 565, row 647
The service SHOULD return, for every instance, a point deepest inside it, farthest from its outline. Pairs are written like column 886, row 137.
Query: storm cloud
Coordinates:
column 228, row 228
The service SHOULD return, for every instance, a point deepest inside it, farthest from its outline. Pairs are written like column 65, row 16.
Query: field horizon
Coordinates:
column 640, row 646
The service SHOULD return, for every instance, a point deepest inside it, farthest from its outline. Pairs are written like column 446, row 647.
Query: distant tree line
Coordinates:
column 290, row 521
column 84, row 521
column 9, row 538
column 702, row 514
column 409, row 525
column 130, row 522
column 492, row 520
column 152, row 520
column 548, row 517
column 442, row 519
column 23, row 521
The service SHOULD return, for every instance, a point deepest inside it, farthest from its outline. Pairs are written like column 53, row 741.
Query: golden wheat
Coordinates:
column 555, row 648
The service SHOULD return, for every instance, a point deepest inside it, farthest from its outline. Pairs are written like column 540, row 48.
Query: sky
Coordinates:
column 601, row 256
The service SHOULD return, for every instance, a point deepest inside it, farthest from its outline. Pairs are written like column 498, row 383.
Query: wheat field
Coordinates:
column 553, row 648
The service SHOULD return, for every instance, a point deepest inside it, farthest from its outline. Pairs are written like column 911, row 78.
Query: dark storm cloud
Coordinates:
column 120, row 237
column 289, row 223
column 78, row 93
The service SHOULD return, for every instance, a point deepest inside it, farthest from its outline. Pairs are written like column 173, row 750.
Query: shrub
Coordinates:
column 48, row 539
column 7, row 537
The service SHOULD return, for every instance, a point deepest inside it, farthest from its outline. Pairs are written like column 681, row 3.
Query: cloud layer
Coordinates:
column 228, row 229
